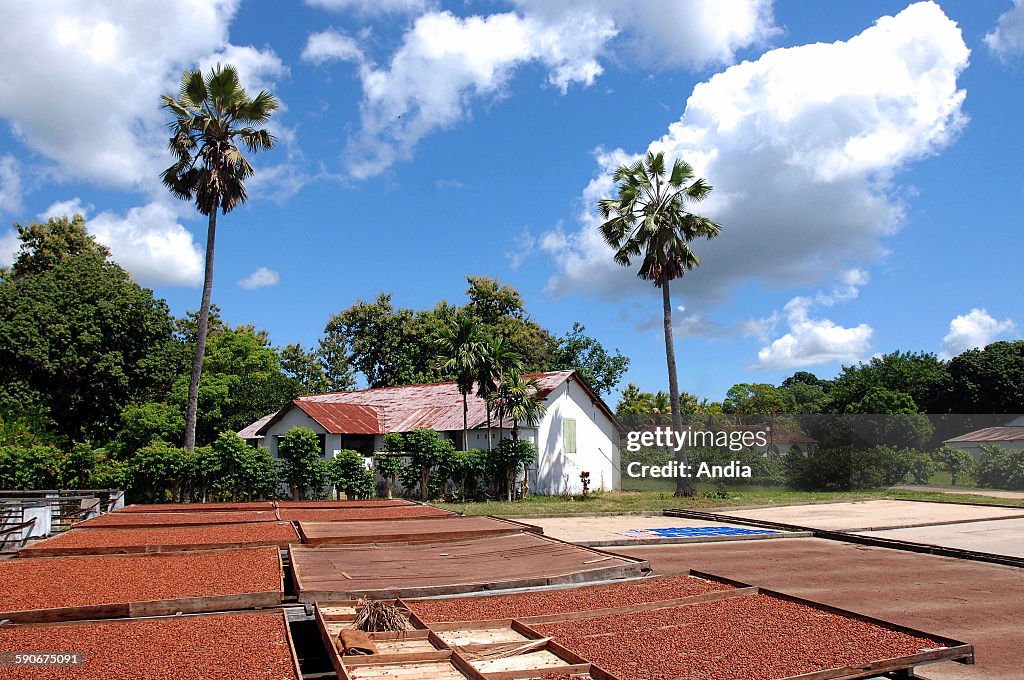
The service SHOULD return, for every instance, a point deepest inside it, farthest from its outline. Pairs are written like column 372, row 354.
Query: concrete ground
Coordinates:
column 874, row 515
column 611, row 530
column 1000, row 536
column 992, row 493
column 973, row 602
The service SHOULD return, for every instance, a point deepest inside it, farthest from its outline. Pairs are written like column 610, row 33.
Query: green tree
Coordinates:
column 466, row 466
column 497, row 361
column 649, row 219
column 44, row 246
column 317, row 371
column 142, row 424
column 954, row 461
column 759, row 398
column 213, row 116
column 349, row 474
column 390, row 463
column 989, row 380
column 922, row 376
column 302, row 464
column 428, row 450
column 388, row 346
column 1000, row 468
column 506, row 460
column 516, row 401
column 23, row 468
column 462, row 352
column 78, row 341
column 158, row 472
column 578, row 351
column 241, row 382
column 239, row 472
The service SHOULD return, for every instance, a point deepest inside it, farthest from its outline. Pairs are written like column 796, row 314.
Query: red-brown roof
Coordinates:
column 401, row 409
column 992, row 434
column 343, row 418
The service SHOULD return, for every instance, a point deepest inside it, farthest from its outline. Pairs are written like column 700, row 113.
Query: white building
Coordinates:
column 578, row 432
column 1009, row 436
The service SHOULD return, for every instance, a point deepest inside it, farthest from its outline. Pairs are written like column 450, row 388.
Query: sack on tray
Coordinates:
column 355, row 643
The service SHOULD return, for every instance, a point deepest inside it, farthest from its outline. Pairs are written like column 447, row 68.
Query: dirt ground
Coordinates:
column 974, row 602
column 874, row 515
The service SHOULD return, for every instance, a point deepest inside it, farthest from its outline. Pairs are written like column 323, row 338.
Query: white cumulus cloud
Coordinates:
column 258, row 69
column 662, row 33
column 82, row 80
column 445, row 62
column 812, row 341
column 9, row 245
column 369, row 7
column 974, row 329
column 10, row 185
column 802, row 146
column 1007, row 38
column 331, row 45
column 151, row 244
column 260, row 278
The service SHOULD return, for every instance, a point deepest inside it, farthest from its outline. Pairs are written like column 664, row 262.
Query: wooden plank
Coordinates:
column 577, row 671
column 57, row 614
column 212, row 603
column 291, row 646
column 407, row 530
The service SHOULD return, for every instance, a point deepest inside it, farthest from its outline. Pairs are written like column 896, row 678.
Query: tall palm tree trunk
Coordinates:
column 204, row 323
column 465, row 421
column 684, row 485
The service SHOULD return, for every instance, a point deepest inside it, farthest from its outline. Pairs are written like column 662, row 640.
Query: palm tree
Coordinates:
column 463, row 347
column 499, row 360
column 212, row 115
column 649, row 219
column 516, row 400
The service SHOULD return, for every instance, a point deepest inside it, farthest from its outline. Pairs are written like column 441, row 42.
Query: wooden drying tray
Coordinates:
column 390, row 571
column 187, row 605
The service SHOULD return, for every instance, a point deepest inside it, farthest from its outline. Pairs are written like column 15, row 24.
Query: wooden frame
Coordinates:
column 188, row 605
column 895, row 667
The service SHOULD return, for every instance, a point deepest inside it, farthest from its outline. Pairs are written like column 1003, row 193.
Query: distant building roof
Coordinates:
column 401, row 409
column 991, row 434
column 252, row 430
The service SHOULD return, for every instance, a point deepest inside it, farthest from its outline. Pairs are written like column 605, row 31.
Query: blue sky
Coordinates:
column 865, row 162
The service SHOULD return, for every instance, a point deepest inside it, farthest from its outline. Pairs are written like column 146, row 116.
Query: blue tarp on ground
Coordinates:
column 695, row 532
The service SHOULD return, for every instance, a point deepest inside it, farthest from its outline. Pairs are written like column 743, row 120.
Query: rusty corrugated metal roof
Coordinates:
column 253, row 430
column 343, row 418
column 437, row 406
column 992, row 434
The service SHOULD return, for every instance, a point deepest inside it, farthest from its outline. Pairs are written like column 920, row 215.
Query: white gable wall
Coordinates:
column 597, row 445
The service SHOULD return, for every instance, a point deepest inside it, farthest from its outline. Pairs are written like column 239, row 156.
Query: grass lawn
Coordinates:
column 655, row 501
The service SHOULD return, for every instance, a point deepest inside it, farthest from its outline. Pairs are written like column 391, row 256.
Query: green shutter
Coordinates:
column 569, row 434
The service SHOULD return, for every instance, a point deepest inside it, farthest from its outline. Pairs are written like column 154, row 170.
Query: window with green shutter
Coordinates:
column 569, row 434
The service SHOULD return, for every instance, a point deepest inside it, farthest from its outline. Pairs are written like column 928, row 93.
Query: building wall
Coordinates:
column 295, row 417
column 974, row 448
column 597, row 445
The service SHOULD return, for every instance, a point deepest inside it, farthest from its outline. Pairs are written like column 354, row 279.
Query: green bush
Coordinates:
column 954, row 461
column 466, row 469
column 159, row 472
column 504, row 462
column 231, row 470
column 1000, row 468
column 922, row 467
column 303, row 467
column 23, row 468
column 348, row 473
column 430, row 457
